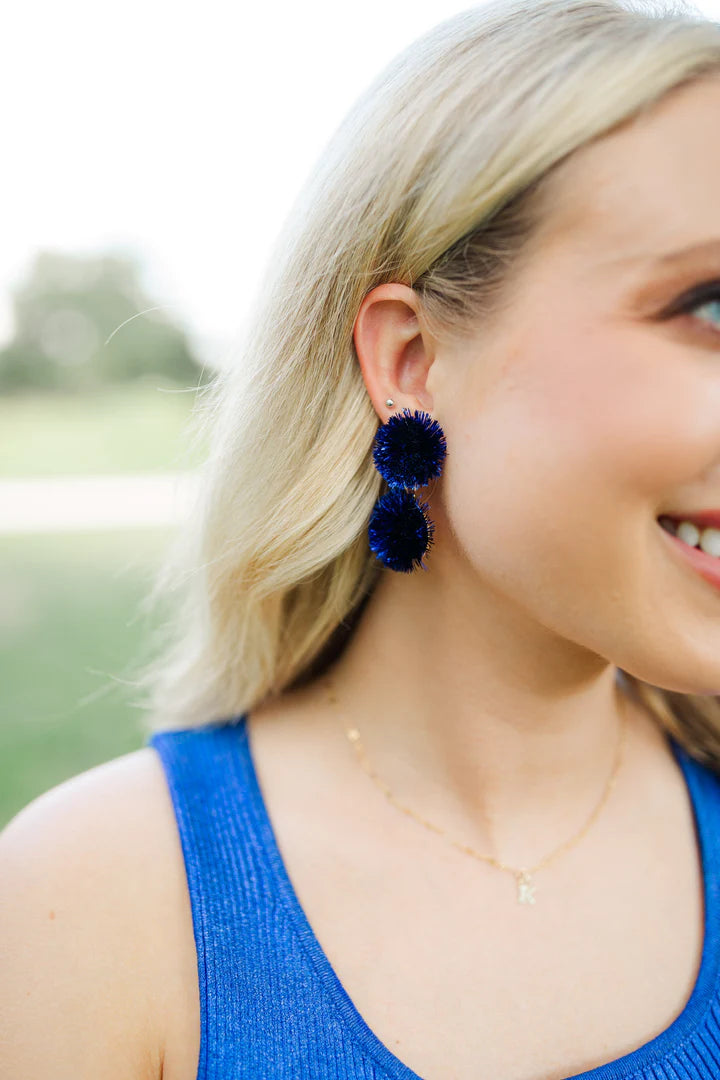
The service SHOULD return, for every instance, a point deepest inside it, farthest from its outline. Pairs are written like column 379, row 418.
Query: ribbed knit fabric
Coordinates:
column 271, row 1005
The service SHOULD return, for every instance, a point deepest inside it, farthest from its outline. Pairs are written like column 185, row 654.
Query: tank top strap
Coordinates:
column 264, row 1011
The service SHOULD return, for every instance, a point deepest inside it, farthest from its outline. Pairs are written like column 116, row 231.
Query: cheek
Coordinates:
column 585, row 426
column 555, row 472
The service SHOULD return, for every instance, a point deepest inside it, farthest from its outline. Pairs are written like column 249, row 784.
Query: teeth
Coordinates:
column 688, row 533
column 708, row 540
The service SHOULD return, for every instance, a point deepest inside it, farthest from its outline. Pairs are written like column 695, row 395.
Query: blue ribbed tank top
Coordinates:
column 271, row 1005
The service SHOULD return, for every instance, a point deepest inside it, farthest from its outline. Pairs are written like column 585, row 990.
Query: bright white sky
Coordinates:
column 180, row 131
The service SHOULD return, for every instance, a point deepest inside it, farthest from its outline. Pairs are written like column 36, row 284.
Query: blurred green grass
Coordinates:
column 129, row 428
column 69, row 626
column 69, row 618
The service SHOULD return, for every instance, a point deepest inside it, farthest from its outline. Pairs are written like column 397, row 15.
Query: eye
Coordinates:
column 703, row 298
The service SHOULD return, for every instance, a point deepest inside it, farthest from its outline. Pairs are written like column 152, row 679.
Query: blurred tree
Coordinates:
column 82, row 321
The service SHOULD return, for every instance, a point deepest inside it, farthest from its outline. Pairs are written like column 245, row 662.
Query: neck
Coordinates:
column 481, row 720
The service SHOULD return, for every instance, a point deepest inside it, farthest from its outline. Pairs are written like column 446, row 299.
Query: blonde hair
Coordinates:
column 435, row 179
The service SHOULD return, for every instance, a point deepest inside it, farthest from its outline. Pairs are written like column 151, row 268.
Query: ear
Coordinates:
column 395, row 353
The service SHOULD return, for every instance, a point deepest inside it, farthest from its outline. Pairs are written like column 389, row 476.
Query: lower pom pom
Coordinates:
column 400, row 531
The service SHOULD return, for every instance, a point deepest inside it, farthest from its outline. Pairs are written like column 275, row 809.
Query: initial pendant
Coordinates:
column 526, row 889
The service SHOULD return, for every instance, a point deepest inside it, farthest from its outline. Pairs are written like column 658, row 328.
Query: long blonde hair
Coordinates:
column 435, row 178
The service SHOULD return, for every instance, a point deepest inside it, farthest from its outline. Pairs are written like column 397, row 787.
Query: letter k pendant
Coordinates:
column 526, row 888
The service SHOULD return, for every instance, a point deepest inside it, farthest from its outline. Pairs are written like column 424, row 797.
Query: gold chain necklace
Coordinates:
column 525, row 884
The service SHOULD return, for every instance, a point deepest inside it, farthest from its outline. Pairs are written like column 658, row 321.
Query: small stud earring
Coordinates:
column 389, row 403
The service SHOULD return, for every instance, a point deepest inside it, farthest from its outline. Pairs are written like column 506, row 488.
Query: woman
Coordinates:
column 431, row 784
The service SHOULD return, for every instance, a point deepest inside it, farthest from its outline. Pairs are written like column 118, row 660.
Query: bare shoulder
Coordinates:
column 95, row 927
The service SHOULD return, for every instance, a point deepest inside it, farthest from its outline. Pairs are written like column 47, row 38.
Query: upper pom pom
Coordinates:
column 409, row 449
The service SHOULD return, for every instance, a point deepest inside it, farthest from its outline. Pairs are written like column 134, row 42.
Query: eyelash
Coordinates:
column 697, row 297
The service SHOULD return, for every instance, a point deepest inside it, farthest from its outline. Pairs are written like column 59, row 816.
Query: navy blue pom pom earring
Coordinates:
column 408, row 451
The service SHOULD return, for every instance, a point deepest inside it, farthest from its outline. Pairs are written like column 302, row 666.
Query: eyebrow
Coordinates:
column 650, row 276
column 671, row 259
column 649, row 264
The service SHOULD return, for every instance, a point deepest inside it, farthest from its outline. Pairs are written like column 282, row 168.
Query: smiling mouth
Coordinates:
column 684, row 538
column 700, row 531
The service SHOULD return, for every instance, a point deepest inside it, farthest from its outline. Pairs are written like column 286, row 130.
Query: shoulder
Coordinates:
column 94, row 912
